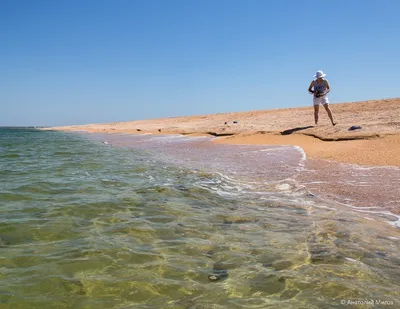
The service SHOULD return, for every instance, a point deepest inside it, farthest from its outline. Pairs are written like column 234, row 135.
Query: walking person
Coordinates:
column 319, row 87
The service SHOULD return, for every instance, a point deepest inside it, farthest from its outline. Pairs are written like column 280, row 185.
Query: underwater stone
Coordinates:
column 280, row 265
column 219, row 272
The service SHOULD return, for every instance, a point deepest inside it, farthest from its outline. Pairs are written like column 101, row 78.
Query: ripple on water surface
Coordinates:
column 148, row 226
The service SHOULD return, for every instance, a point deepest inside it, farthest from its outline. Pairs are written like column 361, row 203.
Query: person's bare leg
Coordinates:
column 328, row 110
column 316, row 110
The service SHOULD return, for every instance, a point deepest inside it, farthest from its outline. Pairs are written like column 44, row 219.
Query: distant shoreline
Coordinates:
column 377, row 143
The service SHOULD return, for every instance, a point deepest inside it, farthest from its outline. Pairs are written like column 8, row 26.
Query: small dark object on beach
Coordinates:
column 235, row 121
column 138, row 130
column 352, row 128
column 159, row 130
column 225, row 122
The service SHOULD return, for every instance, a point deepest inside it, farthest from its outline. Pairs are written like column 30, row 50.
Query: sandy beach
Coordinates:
column 376, row 143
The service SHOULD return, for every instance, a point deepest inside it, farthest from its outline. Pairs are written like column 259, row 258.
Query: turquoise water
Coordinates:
column 170, row 222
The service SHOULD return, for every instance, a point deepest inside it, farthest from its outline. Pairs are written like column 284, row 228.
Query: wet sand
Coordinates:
column 377, row 143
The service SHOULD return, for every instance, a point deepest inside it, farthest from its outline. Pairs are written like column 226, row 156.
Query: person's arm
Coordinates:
column 310, row 88
column 328, row 88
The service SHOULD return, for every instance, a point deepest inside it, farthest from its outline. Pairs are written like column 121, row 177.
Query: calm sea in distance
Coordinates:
column 142, row 221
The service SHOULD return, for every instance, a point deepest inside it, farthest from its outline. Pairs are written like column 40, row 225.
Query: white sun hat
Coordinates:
column 319, row 74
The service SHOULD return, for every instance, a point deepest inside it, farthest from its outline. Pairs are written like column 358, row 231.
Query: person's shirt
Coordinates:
column 321, row 87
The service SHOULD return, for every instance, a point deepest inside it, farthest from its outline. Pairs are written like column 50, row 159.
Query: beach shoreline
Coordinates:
column 377, row 143
column 372, row 148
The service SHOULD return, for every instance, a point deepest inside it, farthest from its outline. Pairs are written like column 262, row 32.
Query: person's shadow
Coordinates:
column 290, row 131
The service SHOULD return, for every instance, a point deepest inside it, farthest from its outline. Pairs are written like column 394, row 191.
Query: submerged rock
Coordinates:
column 267, row 283
column 219, row 272
column 282, row 264
column 3, row 243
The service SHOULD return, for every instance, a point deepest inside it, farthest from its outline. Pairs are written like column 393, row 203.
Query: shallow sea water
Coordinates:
column 118, row 221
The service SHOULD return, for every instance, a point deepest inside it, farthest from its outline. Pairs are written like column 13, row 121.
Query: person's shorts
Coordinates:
column 321, row 100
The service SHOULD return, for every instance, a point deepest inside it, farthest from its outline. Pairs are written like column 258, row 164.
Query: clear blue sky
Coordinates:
column 77, row 61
